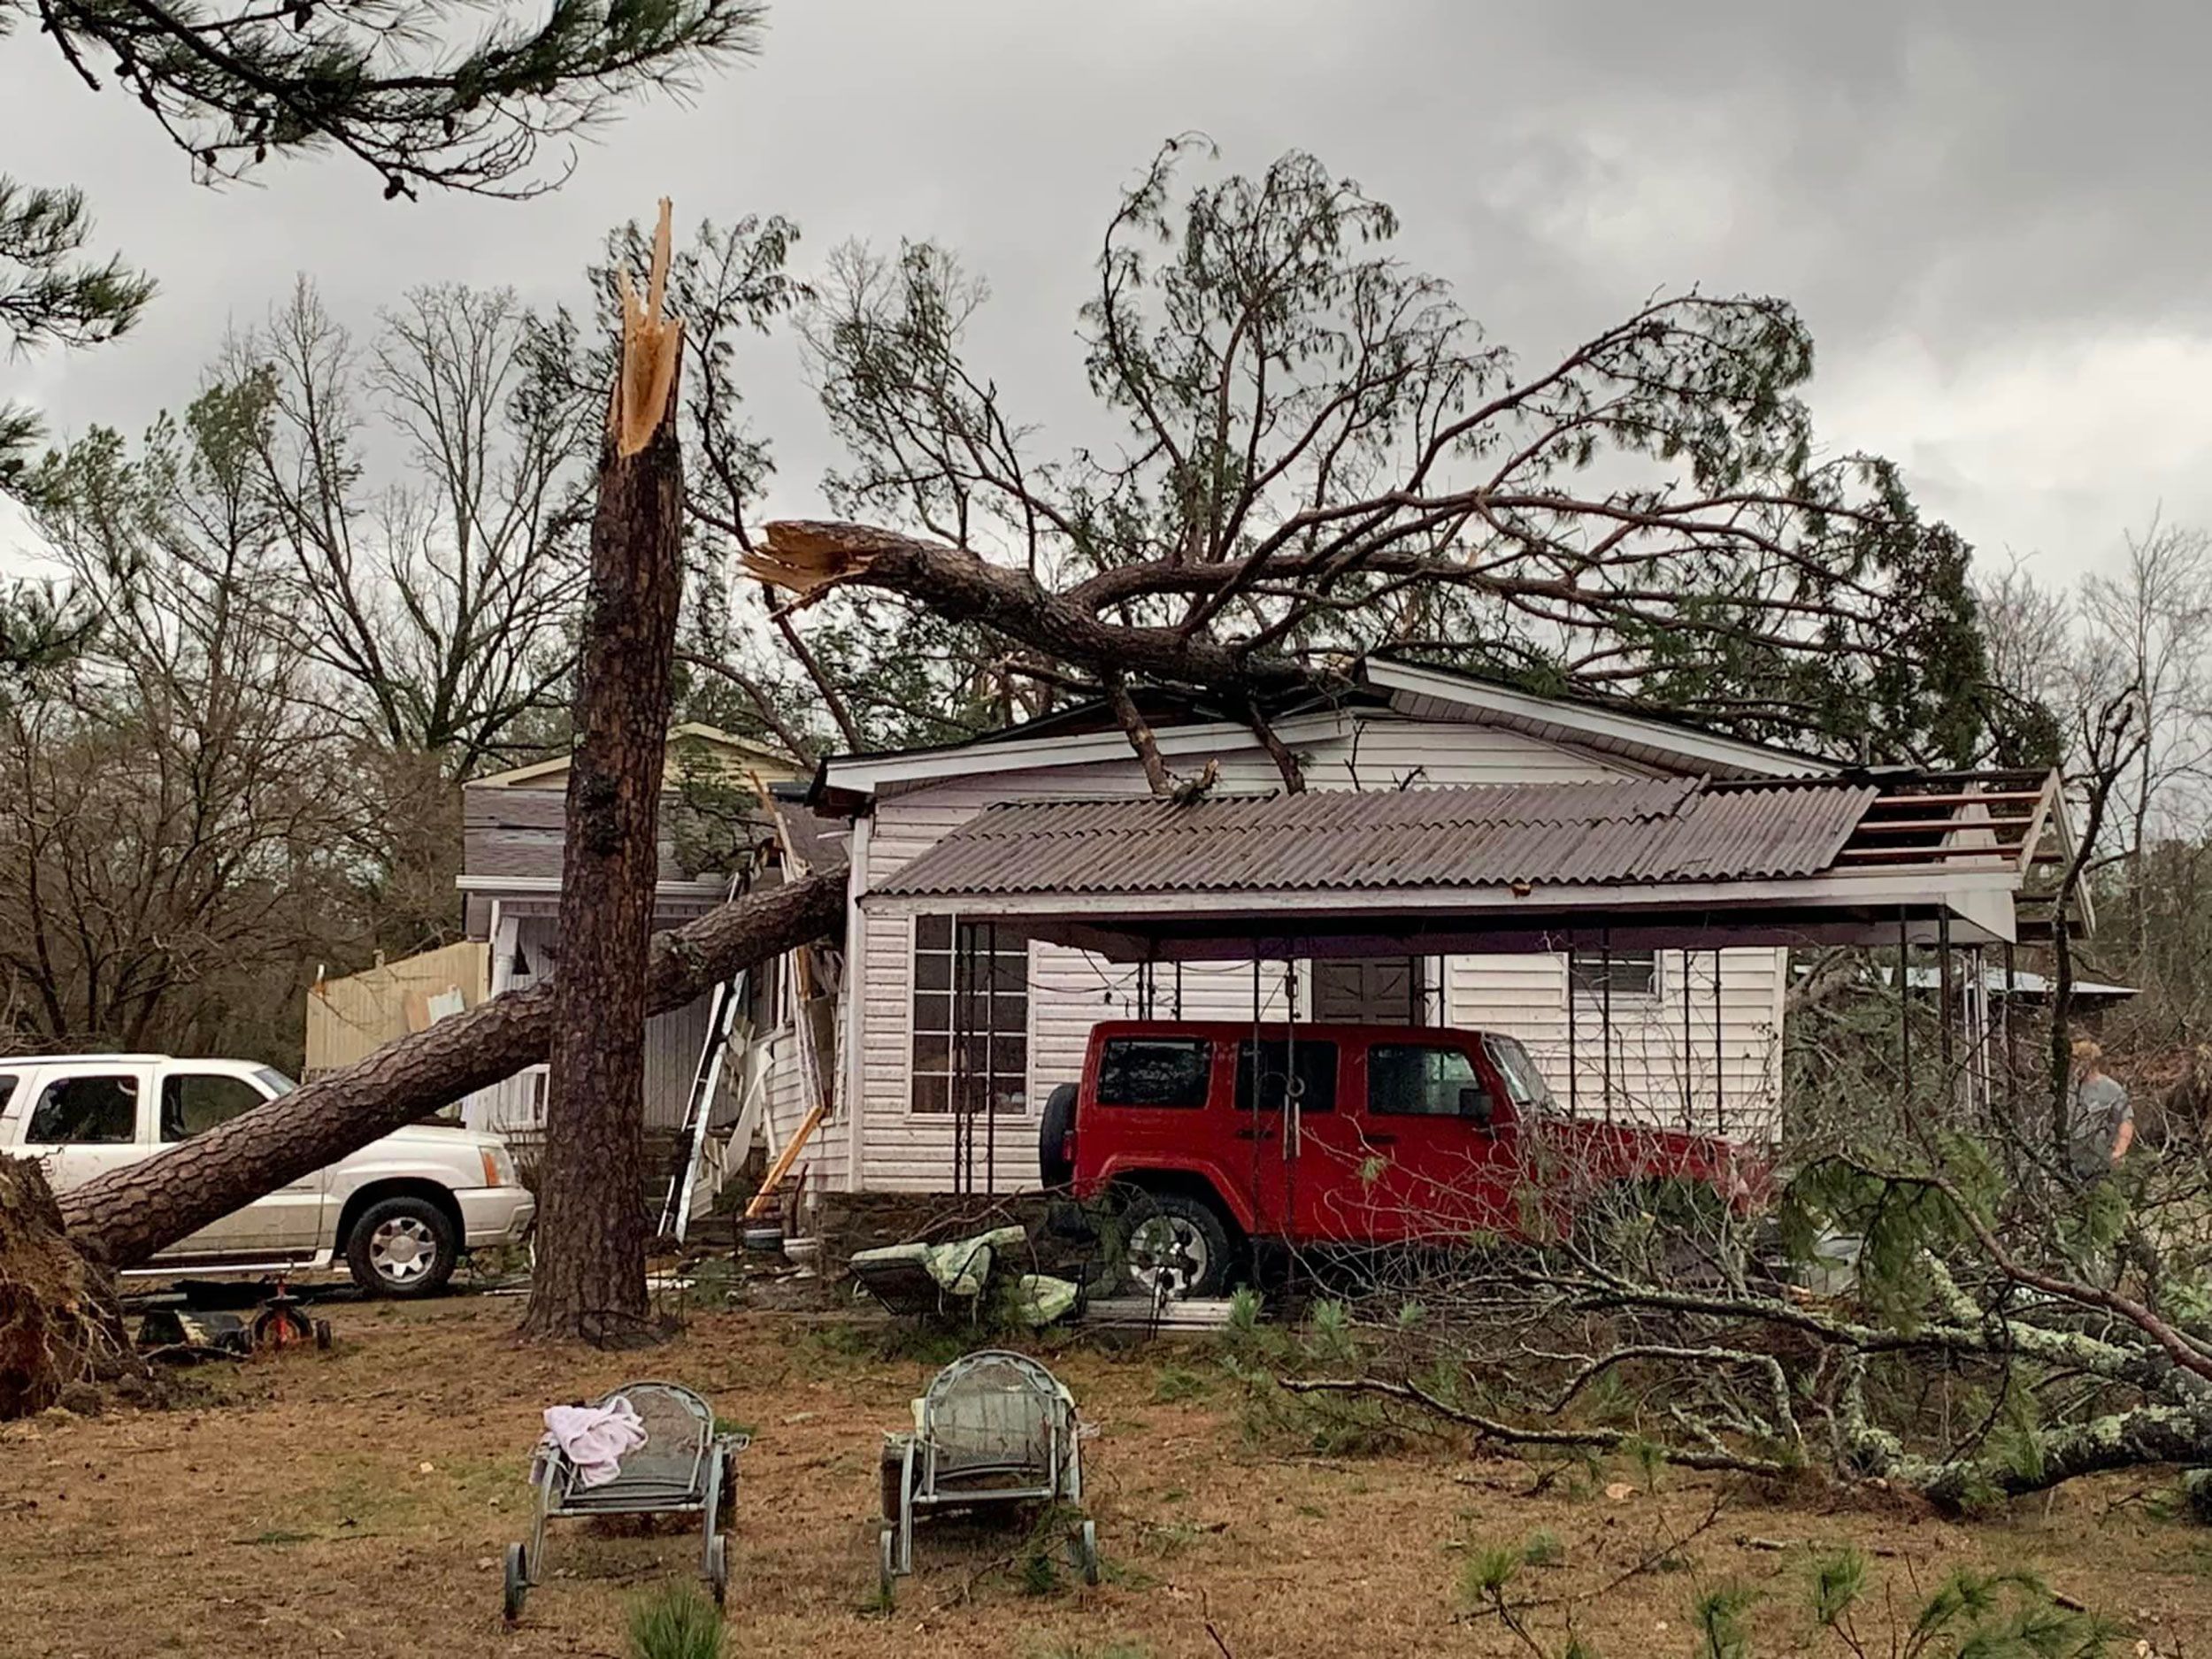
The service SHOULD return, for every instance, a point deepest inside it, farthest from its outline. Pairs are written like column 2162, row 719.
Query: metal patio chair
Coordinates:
column 683, row 1468
column 996, row 1430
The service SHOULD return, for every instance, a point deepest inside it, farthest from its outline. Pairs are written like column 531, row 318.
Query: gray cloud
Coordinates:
column 1993, row 217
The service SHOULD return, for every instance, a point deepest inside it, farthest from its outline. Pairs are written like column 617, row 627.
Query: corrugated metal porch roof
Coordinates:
column 1679, row 829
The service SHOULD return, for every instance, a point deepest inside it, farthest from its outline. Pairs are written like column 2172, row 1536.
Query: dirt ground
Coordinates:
column 359, row 1503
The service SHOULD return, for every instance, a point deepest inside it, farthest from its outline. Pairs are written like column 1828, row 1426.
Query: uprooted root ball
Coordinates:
column 61, row 1329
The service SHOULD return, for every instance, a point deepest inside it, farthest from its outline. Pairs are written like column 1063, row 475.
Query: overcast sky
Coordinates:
column 1994, row 219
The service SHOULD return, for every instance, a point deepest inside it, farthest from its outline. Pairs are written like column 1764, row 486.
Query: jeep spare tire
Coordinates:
column 1057, row 1123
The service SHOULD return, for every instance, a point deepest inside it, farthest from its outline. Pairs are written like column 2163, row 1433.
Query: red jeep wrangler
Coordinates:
column 1363, row 1135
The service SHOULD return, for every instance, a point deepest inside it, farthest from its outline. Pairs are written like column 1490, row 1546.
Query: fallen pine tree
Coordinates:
column 57, row 1316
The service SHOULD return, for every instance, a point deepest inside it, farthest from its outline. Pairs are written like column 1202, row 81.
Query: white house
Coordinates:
column 1694, row 1034
column 1619, row 892
column 513, row 825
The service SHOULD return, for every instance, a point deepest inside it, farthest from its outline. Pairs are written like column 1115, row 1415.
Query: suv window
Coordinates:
column 1155, row 1072
column 81, row 1112
column 192, row 1104
column 7, row 1089
column 1408, row 1079
column 1312, row 1063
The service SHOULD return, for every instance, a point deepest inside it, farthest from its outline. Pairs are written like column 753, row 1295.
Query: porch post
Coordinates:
column 1943, row 976
column 1574, row 1051
column 1689, row 1057
column 1720, row 1069
column 1605, row 1037
column 1904, row 1008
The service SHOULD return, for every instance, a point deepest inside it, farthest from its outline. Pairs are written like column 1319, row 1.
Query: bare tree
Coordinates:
column 2150, row 617
column 441, row 608
column 170, row 807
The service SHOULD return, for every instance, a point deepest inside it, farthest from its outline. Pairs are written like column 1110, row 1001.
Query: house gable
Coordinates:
column 691, row 747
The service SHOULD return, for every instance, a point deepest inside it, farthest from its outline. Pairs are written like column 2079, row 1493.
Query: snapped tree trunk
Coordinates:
column 588, row 1279
column 123, row 1217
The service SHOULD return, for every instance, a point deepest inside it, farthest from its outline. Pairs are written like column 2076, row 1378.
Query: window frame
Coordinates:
column 1475, row 1079
column 994, row 1079
column 1594, row 994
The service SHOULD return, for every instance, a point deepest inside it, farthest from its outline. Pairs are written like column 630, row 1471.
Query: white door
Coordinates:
column 85, row 1121
column 287, row 1222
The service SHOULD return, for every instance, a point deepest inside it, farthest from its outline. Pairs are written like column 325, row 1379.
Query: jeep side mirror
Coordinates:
column 1474, row 1104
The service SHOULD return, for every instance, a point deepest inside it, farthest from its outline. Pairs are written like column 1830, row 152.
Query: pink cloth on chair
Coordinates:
column 595, row 1438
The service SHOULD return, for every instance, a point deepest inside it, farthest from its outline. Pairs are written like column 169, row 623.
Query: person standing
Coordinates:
column 2100, row 1126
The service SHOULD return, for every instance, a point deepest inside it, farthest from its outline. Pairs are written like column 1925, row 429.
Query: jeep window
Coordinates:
column 1525, row 1085
column 194, row 1102
column 1408, row 1079
column 86, row 1111
column 1312, row 1063
column 1155, row 1072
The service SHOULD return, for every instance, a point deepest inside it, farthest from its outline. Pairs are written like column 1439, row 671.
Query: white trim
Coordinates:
column 506, row 933
column 707, row 887
column 866, row 773
column 1698, row 748
column 855, row 982
column 698, row 729
column 1966, row 891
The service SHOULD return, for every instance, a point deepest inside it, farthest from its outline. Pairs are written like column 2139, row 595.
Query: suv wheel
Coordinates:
column 1173, row 1241
column 402, row 1247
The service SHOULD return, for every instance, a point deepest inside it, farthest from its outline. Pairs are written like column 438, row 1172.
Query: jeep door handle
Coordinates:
column 1255, row 1134
column 1382, row 1141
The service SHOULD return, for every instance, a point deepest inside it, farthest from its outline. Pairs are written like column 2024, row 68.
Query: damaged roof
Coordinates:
column 1675, row 829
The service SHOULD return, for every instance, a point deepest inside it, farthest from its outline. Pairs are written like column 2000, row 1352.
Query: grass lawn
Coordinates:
column 359, row 1502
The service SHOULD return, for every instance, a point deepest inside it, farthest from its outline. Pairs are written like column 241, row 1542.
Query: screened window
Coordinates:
column 1630, row 973
column 86, row 1111
column 1311, row 1065
column 1155, row 1072
column 970, row 1017
column 192, row 1105
column 1416, row 1080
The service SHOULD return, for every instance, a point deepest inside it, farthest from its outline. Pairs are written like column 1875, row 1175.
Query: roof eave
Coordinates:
column 1678, row 748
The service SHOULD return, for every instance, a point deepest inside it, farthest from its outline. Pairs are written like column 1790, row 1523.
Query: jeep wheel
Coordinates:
column 1174, row 1245
column 402, row 1247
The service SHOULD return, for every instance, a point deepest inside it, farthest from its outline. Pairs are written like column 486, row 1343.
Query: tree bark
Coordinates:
column 125, row 1216
column 588, row 1279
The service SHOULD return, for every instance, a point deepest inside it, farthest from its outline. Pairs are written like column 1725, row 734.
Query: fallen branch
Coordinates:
column 1509, row 1434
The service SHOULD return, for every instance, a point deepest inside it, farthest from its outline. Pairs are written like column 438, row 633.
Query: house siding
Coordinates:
column 889, row 1147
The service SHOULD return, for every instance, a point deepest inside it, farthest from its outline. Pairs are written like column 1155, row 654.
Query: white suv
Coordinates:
column 401, row 1211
